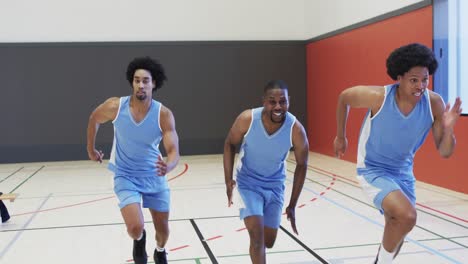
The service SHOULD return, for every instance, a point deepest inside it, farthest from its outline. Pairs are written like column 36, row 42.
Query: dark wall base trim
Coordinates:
column 45, row 153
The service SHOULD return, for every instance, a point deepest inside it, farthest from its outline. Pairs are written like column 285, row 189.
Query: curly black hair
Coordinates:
column 406, row 57
column 149, row 64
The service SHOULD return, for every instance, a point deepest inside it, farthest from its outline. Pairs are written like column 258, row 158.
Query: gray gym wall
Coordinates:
column 50, row 89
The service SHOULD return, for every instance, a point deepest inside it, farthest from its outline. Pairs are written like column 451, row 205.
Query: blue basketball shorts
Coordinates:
column 153, row 191
column 260, row 201
column 377, row 184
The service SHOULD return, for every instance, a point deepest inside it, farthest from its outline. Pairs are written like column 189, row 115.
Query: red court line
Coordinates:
column 95, row 200
column 180, row 174
column 440, row 212
column 424, row 206
column 243, row 229
column 332, row 174
column 65, row 206
column 177, row 248
column 213, row 238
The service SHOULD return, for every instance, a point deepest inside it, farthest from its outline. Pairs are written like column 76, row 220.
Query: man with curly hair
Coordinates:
column 140, row 124
column 399, row 118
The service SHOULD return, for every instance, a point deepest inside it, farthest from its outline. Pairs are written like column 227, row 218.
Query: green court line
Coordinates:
column 13, row 173
column 355, row 199
column 430, row 239
column 455, row 242
column 268, row 253
column 376, row 244
column 196, row 259
column 347, row 183
column 27, row 178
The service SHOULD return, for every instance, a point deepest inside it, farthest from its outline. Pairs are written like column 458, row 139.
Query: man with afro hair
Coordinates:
column 399, row 118
column 140, row 124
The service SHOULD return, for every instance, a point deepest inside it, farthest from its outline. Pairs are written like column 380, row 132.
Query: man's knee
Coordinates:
column 405, row 219
column 135, row 230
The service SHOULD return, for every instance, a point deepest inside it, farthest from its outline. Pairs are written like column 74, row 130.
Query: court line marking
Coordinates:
column 429, row 189
column 87, row 202
column 369, row 205
column 111, row 224
column 356, row 184
column 419, row 204
column 243, row 229
column 376, row 244
column 11, row 174
column 268, row 252
column 317, row 256
column 204, row 243
column 401, row 254
column 34, row 173
column 435, row 252
column 21, row 231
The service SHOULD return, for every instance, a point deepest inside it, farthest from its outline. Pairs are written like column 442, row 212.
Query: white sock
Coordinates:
column 160, row 249
column 385, row 257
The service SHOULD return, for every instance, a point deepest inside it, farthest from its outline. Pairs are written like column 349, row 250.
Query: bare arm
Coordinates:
column 170, row 141
column 301, row 154
column 234, row 138
column 356, row 97
column 103, row 113
column 444, row 122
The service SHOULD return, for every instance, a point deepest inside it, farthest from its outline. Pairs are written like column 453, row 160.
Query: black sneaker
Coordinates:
column 160, row 257
column 5, row 217
column 4, row 212
column 139, row 250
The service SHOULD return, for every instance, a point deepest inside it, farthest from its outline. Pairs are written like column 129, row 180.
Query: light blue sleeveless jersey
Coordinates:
column 135, row 149
column 262, row 157
column 389, row 139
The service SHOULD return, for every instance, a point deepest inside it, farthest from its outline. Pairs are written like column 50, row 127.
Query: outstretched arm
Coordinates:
column 234, row 138
column 357, row 97
column 444, row 123
column 301, row 154
column 103, row 113
column 170, row 141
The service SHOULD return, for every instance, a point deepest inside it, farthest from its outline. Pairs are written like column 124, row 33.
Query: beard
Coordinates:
column 141, row 97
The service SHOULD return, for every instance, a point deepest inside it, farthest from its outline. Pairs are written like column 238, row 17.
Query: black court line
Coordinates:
column 356, row 199
column 317, row 256
column 369, row 205
column 109, row 224
column 418, row 226
column 27, row 178
column 205, row 245
column 18, row 234
column 11, row 174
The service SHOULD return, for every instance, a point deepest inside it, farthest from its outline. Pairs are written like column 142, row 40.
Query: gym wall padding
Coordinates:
column 50, row 89
column 357, row 57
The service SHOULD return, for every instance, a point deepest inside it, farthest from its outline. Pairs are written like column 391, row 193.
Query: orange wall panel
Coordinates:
column 357, row 57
